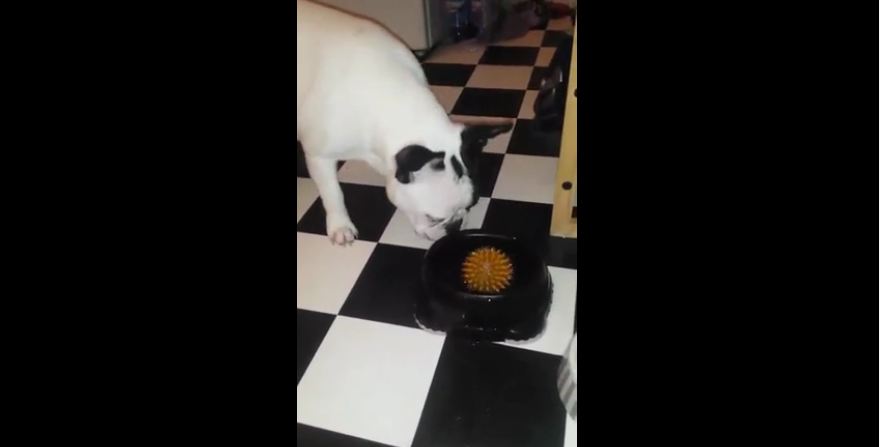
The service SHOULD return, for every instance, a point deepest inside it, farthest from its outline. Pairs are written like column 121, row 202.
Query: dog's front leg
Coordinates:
column 339, row 227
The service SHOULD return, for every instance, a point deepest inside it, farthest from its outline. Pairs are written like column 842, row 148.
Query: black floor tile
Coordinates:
column 307, row 436
column 530, row 222
column 454, row 75
column 553, row 38
column 510, row 56
column 489, row 102
column 387, row 287
column 492, row 395
column 562, row 252
column 487, row 174
column 528, row 140
column 368, row 207
column 311, row 327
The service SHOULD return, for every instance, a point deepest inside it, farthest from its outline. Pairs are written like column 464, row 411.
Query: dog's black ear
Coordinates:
column 411, row 159
column 481, row 134
column 474, row 140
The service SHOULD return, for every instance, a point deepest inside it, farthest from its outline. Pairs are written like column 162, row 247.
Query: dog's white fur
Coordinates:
column 362, row 95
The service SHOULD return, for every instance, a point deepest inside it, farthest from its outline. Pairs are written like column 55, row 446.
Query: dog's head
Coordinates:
column 435, row 187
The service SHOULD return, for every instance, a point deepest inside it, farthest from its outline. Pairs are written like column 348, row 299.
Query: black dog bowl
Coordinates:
column 517, row 313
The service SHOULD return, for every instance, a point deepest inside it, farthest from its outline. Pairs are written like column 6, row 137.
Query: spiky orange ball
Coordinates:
column 487, row 270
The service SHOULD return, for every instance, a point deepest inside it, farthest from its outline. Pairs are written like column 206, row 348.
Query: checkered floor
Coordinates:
column 366, row 375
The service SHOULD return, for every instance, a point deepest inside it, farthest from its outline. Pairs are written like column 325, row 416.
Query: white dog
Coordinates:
column 362, row 95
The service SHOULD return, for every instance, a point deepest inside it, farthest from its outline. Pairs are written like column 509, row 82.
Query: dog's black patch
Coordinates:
column 481, row 134
column 411, row 159
column 473, row 141
column 456, row 166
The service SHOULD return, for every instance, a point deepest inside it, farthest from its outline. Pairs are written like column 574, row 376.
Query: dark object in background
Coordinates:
column 550, row 104
column 509, row 19
column 496, row 20
column 543, row 11
column 518, row 313
column 559, row 10
column 461, row 13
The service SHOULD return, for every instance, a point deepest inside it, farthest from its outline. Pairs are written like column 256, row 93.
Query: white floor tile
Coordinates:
column 447, row 96
column 468, row 52
column 560, row 321
column 325, row 273
column 400, row 232
column 545, row 55
column 527, row 179
column 562, row 24
column 369, row 380
column 571, row 433
column 359, row 172
column 306, row 195
column 527, row 111
column 476, row 215
column 501, row 76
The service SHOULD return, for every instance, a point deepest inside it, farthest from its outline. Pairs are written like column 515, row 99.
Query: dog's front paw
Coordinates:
column 341, row 231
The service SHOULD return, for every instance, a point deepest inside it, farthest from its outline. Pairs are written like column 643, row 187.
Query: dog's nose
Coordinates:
column 454, row 225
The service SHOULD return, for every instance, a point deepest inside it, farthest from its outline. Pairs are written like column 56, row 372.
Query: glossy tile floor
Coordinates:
column 366, row 375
